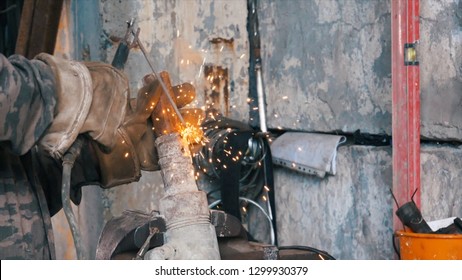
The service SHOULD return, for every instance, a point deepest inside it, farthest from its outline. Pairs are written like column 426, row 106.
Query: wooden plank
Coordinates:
column 25, row 25
column 39, row 27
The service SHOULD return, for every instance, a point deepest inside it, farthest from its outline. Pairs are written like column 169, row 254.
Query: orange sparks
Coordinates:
column 191, row 133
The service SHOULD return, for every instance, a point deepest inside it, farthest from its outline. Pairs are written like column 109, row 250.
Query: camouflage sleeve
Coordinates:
column 27, row 101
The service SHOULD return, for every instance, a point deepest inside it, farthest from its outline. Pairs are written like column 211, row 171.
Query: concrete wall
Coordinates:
column 330, row 62
column 441, row 69
column 326, row 66
column 350, row 214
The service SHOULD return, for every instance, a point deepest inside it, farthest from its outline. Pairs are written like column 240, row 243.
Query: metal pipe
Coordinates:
column 259, row 80
column 261, row 99
column 189, row 235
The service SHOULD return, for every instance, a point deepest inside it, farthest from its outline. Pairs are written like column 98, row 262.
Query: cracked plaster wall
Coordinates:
column 329, row 62
column 178, row 37
column 326, row 68
column 332, row 66
column 441, row 69
column 350, row 214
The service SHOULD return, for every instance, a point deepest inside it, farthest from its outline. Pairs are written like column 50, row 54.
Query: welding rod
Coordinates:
column 164, row 87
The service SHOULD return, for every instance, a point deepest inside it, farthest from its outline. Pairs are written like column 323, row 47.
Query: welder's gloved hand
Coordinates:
column 165, row 119
column 93, row 99
column 135, row 137
column 134, row 147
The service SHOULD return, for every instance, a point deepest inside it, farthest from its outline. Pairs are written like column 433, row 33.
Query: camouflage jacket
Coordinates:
column 30, row 180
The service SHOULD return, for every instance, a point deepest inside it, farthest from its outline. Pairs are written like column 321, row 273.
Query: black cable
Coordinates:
column 8, row 9
column 310, row 249
column 230, row 172
column 240, row 159
column 68, row 162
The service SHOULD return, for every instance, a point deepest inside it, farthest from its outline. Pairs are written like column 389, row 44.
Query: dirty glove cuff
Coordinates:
column 92, row 98
column 74, row 97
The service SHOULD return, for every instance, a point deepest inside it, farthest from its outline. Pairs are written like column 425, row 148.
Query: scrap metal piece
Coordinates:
column 145, row 247
column 128, row 233
column 242, row 249
column 225, row 225
column 309, row 153
column 128, row 236
column 234, row 244
column 300, row 254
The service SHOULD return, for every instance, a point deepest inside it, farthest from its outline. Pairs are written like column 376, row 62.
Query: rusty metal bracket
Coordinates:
column 124, row 236
column 131, row 235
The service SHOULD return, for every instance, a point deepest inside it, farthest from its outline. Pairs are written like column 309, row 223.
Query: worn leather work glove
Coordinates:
column 93, row 99
column 131, row 148
column 135, row 148
column 118, row 165
column 164, row 118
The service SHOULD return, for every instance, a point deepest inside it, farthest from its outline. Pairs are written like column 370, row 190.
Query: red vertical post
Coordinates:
column 413, row 88
column 405, row 103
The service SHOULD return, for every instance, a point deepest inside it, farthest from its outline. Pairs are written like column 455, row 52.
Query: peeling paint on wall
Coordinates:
column 216, row 94
column 182, row 38
column 332, row 65
column 440, row 55
column 320, row 58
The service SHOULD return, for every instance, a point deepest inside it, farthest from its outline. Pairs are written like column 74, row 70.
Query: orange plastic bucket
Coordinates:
column 425, row 246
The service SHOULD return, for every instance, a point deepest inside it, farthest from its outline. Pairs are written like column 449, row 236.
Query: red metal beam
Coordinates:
column 405, row 104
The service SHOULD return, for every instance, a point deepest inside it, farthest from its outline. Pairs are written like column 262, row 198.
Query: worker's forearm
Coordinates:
column 27, row 101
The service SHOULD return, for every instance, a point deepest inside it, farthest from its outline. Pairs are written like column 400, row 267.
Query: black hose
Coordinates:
column 325, row 255
column 68, row 162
